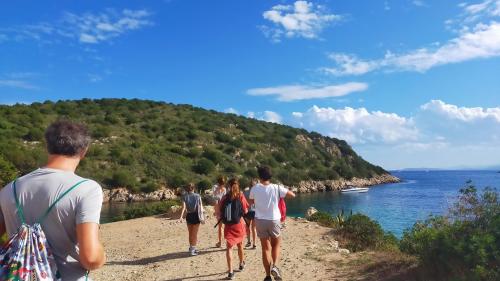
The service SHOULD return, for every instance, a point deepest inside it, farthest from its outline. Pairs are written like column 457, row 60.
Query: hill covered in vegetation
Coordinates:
column 143, row 145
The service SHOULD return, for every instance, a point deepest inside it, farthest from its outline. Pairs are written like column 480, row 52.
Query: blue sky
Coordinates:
column 407, row 83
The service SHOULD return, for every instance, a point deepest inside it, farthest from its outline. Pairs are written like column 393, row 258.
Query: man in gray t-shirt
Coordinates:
column 72, row 225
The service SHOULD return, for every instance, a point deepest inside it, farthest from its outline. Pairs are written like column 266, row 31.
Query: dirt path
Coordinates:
column 155, row 248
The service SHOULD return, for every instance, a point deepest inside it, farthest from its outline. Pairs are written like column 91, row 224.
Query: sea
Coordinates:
column 395, row 206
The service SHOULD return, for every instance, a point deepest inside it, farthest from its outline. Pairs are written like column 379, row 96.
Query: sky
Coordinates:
column 408, row 83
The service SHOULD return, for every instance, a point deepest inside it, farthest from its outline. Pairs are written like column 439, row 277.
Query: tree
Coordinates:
column 7, row 171
column 204, row 167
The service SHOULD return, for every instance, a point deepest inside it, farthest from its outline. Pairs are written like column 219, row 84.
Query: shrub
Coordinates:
column 465, row 244
column 149, row 209
column 7, row 172
column 149, row 187
column 323, row 218
column 122, row 178
column 204, row 167
column 362, row 233
column 203, row 185
column 177, row 181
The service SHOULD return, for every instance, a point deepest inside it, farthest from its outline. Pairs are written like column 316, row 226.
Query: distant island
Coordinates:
column 145, row 145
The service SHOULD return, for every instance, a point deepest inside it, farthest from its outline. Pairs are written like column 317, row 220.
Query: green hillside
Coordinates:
column 143, row 145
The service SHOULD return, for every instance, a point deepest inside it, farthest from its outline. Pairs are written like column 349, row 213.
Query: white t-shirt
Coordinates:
column 266, row 200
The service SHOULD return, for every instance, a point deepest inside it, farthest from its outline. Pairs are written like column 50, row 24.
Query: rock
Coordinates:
column 344, row 251
column 311, row 211
column 337, row 185
column 334, row 246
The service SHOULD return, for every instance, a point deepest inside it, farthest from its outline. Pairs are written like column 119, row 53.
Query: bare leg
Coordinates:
column 190, row 234
column 241, row 255
column 229, row 256
column 266, row 255
column 275, row 252
column 220, row 234
column 193, row 234
column 253, row 231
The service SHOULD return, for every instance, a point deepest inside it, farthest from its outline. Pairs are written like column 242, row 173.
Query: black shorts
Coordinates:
column 250, row 215
column 192, row 218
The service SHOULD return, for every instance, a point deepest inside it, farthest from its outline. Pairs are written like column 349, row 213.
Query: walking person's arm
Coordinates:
column 290, row 194
column 183, row 210
column 91, row 250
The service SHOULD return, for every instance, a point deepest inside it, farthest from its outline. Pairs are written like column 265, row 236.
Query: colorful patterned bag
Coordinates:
column 27, row 255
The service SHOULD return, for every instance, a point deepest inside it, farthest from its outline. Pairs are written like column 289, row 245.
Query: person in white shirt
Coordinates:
column 218, row 191
column 265, row 196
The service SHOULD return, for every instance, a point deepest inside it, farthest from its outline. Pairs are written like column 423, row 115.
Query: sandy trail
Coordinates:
column 155, row 248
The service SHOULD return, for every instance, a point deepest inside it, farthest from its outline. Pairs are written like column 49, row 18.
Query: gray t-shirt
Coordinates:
column 192, row 201
column 36, row 191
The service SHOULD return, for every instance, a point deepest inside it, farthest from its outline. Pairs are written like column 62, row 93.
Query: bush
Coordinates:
column 323, row 218
column 3, row 238
column 122, row 179
column 150, row 209
column 203, row 185
column 362, row 233
column 149, row 187
column 465, row 244
column 204, row 167
column 177, row 181
column 7, row 172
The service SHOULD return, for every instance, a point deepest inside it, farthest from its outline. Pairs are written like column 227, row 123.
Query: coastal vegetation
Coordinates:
column 146, row 210
column 463, row 244
column 145, row 145
column 357, row 232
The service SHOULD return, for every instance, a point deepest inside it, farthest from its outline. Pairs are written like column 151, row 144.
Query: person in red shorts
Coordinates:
column 232, row 207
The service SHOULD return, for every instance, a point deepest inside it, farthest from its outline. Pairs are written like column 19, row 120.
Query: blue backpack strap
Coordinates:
column 42, row 218
column 20, row 212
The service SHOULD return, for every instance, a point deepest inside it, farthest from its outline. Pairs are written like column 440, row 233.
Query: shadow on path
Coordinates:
column 169, row 256
column 200, row 276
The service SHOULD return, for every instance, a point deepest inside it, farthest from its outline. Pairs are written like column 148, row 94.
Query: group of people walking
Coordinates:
column 51, row 216
column 240, row 214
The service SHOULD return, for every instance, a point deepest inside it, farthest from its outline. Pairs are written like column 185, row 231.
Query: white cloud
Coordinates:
column 303, row 19
column 357, row 126
column 268, row 116
column 419, row 3
column 348, row 64
column 465, row 114
column 271, row 116
column 482, row 42
column 437, row 135
column 19, row 84
column 302, row 92
column 478, row 37
column 460, row 125
column 436, row 122
column 88, row 28
column 231, row 110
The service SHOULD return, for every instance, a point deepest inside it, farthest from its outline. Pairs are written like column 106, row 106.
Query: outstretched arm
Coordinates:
column 290, row 194
column 91, row 250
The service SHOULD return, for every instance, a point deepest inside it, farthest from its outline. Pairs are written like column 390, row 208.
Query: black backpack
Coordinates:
column 232, row 210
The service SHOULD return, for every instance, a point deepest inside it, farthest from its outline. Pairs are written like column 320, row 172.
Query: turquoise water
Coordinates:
column 398, row 206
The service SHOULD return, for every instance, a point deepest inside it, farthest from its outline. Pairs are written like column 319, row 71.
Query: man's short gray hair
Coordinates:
column 68, row 138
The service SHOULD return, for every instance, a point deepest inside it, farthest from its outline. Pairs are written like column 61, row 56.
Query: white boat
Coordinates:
column 353, row 189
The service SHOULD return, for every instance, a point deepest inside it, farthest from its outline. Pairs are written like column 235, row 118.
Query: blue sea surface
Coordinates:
column 398, row 206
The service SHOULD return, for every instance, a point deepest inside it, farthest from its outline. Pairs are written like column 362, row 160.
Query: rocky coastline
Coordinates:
column 124, row 195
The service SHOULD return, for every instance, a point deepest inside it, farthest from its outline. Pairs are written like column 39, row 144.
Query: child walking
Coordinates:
column 192, row 205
